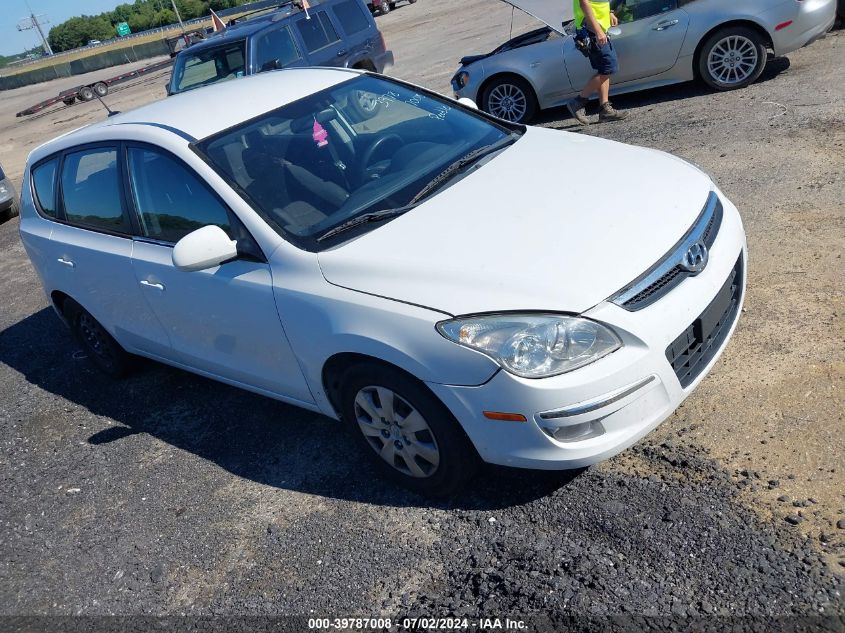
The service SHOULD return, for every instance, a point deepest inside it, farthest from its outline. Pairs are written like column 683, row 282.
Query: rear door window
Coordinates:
column 275, row 49
column 317, row 32
column 170, row 198
column 44, row 186
column 91, row 190
column 351, row 16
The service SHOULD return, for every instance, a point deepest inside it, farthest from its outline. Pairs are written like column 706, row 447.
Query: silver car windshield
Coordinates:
column 208, row 66
column 361, row 147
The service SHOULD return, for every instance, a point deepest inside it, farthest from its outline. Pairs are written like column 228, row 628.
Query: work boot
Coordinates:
column 578, row 109
column 609, row 113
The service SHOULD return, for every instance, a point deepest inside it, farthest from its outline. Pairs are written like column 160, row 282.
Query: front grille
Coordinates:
column 690, row 353
column 667, row 273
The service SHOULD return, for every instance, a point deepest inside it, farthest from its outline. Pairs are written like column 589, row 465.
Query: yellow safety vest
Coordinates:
column 600, row 9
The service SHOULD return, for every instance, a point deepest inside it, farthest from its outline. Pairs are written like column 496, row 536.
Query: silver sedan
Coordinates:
column 659, row 42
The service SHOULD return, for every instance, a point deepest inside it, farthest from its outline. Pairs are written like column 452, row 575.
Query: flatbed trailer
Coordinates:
column 100, row 88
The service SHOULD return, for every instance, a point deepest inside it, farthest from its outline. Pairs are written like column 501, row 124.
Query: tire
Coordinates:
column 85, row 93
column 11, row 212
column 732, row 58
column 101, row 89
column 365, row 105
column 411, row 1
column 510, row 98
column 392, row 5
column 436, row 460
column 102, row 350
column 384, row 8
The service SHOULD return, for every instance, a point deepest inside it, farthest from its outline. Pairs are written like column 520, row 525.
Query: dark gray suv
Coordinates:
column 331, row 33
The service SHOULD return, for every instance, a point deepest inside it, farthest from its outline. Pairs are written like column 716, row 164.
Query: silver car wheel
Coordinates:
column 507, row 102
column 368, row 101
column 396, row 431
column 732, row 60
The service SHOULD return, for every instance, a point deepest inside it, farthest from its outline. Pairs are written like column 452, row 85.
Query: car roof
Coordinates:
column 199, row 113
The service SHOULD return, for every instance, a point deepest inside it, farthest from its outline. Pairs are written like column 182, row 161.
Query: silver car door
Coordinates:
column 650, row 39
column 652, row 33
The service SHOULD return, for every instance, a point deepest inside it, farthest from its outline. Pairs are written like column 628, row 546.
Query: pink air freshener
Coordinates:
column 320, row 136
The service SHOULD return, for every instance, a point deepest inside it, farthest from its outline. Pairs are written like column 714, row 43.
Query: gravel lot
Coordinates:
column 167, row 494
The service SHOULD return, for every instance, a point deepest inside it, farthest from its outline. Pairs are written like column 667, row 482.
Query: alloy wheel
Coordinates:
column 396, row 431
column 507, row 102
column 367, row 101
column 732, row 60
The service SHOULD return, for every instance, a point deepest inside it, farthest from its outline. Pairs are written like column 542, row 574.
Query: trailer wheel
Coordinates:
column 101, row 88
column 85, row 93
column 69, row 101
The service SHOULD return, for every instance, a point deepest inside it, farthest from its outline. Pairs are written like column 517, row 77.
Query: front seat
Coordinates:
column 269, row 188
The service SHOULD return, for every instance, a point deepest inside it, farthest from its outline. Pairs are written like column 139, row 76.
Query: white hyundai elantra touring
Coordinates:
column 451, row 286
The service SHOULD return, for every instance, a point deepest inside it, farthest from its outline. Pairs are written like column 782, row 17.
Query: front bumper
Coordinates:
column 601, row 409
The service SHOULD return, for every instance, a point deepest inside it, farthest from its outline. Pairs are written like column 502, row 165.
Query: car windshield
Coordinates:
column 208, row 66
column 361, row 147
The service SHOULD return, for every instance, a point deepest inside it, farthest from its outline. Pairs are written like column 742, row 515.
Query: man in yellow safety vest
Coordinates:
column 593, row 18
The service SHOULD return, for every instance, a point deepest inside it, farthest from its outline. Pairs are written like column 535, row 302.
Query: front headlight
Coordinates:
column 461, row 79
column 533, row 345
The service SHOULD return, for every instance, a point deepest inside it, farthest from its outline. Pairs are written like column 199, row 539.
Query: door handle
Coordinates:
column 662, row 26
column 66, row 262
column 150, row 284
column 341, row 53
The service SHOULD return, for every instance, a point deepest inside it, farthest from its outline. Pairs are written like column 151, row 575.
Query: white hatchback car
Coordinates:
column 450, row 285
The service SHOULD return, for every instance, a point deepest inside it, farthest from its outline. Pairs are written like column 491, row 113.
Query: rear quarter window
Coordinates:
column 351, row 16
column 44, row 187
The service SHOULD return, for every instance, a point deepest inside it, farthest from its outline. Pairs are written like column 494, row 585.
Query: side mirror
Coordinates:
column 614, row 31
column 273, row 64
column 468, row 103
column 204, row 248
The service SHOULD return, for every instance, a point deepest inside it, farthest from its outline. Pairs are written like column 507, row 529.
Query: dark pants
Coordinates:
column 602, row 58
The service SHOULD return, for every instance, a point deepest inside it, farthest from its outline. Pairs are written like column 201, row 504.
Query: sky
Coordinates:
column 57, row 11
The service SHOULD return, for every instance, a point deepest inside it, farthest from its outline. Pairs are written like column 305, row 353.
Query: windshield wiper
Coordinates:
column 374, row 216
column 451, row 170
column 459, row 164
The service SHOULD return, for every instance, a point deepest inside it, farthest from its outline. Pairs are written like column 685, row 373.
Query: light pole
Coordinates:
column 35, row 22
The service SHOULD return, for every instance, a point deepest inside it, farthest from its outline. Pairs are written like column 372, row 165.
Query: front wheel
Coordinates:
column 511, row 99
column 409, row 434
column 732, row 58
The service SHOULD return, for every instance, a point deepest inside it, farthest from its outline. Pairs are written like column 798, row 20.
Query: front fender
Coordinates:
column 322, row 320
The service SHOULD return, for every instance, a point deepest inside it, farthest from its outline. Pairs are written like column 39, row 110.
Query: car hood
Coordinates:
column 557, row 222
column 553, row 12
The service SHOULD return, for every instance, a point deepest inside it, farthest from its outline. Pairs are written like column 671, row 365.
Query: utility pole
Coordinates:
column 178, row 17
column 35, row 22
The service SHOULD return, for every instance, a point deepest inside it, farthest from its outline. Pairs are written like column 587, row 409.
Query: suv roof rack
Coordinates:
column 251, row 15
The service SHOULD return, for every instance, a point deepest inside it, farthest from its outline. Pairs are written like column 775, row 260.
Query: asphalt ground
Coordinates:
column 169, row 494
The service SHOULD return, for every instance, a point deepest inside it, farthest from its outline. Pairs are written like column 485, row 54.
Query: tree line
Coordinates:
column 141, row 15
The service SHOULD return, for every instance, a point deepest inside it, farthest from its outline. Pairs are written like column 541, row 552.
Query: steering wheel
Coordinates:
column 368, row 154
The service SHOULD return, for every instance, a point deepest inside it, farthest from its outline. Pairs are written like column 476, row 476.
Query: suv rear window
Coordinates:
column 209, row 66
column 317, row 32
column 351, row 16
